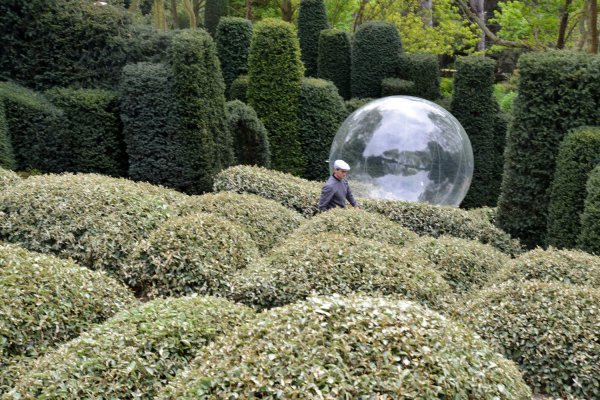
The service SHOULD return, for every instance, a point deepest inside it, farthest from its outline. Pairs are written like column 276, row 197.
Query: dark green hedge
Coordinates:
column 233, row 39
column 423, row 70
column 354, row 104
column 7, row 157
column 239, row 89
column 250, row 138
column 92, row 129
column 475, row 107
column 322, row 111
column 275, row 73
column 312, row 19
column 558, row 91
column 202, row 138
column 589, row 238
column 213, row 11
column 334, row 61
column 375, row 51
column 397, row 87
column 577, row 156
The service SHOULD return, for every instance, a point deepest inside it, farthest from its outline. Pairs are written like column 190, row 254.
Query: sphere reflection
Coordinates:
column 405, row 148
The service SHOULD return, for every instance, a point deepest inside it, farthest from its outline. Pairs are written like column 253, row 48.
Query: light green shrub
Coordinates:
column 8, row 178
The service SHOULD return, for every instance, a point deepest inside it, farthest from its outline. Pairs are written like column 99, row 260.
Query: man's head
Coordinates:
column 340, row 169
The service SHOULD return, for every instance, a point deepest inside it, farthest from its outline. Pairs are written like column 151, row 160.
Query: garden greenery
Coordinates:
column 233, row 37
column 334, row 60
column 250, row 138
column 589, row 237
column 312, row 19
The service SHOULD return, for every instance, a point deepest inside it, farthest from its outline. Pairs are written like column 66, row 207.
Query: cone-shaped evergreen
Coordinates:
column 334, row 61
column 233, row 39
column 312, row 19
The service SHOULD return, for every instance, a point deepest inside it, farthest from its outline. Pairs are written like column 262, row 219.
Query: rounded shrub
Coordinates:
column 192, row 254
column 322, row 111
column 375, row 51
column 250, row 138
column 422, row 69
column 397, row 87
column 45, row 300
column 589, row 237
column 327, row 263
column 549, row 328
column 359, row 223
column 312, row 19
column 275, row 76
column 213, row 11
column 350, row 347
column 133, row 354
column 233, row 39
column 93, row 219
column 578, row 154
column 239, row 89
column 566, row 266
column 8, row 178
column 334, row 61
column 266, row 221
column 465, row 264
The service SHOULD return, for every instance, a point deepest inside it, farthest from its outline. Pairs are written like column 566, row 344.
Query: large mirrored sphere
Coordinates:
column 405, row 148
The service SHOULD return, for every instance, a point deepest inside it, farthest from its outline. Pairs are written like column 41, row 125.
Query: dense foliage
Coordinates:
column 354, row 104
column 558, row 91
column 233, row 37
column 322, row 111
column 397, row 87
column 375, row 51
column 423, row 70
column 312, row 19
column 239, row 89
column 350, row 347
column 7, row 157
column 133, row 354
column 250, row 138
column 334, row 61
column 213, row 11
column 578, row 154
column 589, row 238
column 275, row 75
column 8, row 178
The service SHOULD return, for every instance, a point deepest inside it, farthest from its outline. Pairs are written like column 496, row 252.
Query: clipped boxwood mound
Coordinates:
column 350, row 347
column 93, row 219
column 8, row 178
column 191, row 254
column 133, row 354
column 567, row 266
column 265, row 220
column 45, row 300
column 549, row 328
column 359, row 223
column 465, row 264
column 327, row 263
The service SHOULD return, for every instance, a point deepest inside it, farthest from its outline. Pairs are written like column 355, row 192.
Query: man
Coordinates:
column 336, row 190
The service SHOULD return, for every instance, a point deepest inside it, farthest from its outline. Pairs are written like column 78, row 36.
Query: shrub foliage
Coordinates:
column 250, row 138
column 8, row 178
column 397, row 87
column 334, row 61
column 423, row 70
column 213, row 11
column 233, row 37
column 239, row 89
column 589, row 238
column 312, row 19
column 7, row 157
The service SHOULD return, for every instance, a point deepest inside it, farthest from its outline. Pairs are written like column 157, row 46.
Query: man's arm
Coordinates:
column 326, row 195
column 350, row 196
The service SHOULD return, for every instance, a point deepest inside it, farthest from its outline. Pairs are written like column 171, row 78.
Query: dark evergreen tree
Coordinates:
column 334, row 61
column 233, row 43
column 312, row 19
column 7, row 158
column 250, row 138
column 423, row 70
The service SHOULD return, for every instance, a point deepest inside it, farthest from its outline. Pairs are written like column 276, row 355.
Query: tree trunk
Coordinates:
column 358, row 19
column 249, row 15
column 287, row 10
column 174, row 14
column 478, row 7
column 564, row 20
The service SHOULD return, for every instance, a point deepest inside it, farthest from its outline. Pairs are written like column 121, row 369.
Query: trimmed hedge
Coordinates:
column 312, row 19
column 239, row 89
column 266, row 221
column 397, row 87
column 354, row 104
column 134, row 354
column 558, row 91
column 192, row 254
column 233, row 38
column 589, row 238
column 578, row 154
column 8, row 178
column 250, row 138
column 424, row 219
column 422, row 69
column 213, row 11
column 275, row 79
column 92, row 219
column 566, row 266
column 7, row 157
column 92, row 128
column 350, row 347
column 465, row 264
column 375, row 51
column 476, row 108
column 334, row 62
column 322, row 111
column 147, row 104
column 45, row 300
column 549, row 329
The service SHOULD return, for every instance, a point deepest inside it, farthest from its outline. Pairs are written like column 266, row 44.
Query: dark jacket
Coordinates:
column 334, row 194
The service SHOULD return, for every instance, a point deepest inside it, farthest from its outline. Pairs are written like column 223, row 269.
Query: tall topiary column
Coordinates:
column 275, row 75
column 213, row 11
column 423, row 70
column 375, row 51
column 334, row 63
column 312, row 19
column 202, row 138
column 557, row 91
column 589, row 238
column 577, row 156
column 475, row 107
column 233, row 39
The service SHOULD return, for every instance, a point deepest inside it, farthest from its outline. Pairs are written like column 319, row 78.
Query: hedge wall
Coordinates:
column 375, row 51
column 213, row 11
column 397, row 87
column 250, row 138
column 233, row 38
column 322, row 111
column 312, row 19
column 589, row 237
column 275, row 73
column 7, row 157
column 475, row 107
column 578, row 154
column 202, row 138
column 423, row 70
column 334, row 62
column 558, row 91
column 239, row 89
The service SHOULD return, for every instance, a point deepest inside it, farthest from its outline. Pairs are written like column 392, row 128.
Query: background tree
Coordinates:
column 312, row 19
column 334, row 61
